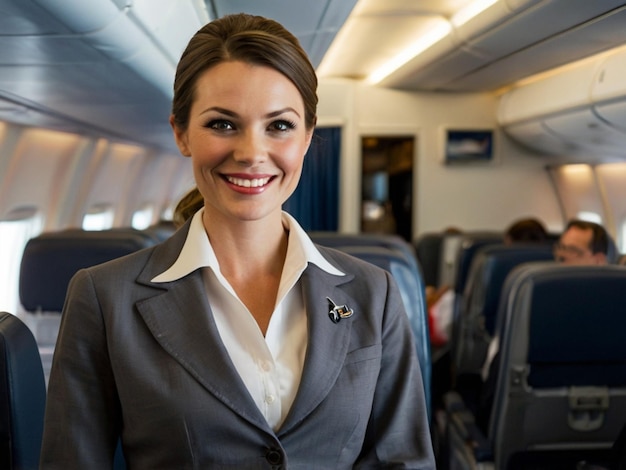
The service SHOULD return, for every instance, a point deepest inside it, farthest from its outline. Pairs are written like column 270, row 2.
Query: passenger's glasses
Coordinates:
column 569, row 250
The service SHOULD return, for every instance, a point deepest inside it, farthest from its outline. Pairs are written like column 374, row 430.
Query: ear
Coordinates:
column 309, row 137
column 180, row 136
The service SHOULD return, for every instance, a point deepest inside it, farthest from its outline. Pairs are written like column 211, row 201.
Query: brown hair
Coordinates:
column 246, row 38
column 527, row 230
column 599, row 238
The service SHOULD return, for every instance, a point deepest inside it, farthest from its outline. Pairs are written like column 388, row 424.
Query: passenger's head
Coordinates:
column 582, row 243
column 526, row 231
column 254, row 41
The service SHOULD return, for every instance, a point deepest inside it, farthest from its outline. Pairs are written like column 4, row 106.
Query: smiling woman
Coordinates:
column 215, row 348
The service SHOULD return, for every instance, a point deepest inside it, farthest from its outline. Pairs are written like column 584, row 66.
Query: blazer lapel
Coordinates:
column 180, row 319
column 327, row 342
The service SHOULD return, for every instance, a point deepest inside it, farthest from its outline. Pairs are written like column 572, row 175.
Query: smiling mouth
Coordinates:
column 248, row 183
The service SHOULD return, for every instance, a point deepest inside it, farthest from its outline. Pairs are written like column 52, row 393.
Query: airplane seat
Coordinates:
column 470, row 245
column 411, row 288
column 22, row 395
column 162, row 230
column 428, row 251
column 457, row 253
column 393, row 242
column 481, row 299
column 560, row 394
column 449, row 258
column 48, row 263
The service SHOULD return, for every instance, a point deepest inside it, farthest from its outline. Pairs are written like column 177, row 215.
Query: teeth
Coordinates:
column 248, row 183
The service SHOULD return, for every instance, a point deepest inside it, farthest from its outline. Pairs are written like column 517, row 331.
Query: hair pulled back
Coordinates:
column 247, row 38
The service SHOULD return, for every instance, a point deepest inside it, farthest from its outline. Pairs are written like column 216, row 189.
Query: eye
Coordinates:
column 282, row 125
column 220, row 125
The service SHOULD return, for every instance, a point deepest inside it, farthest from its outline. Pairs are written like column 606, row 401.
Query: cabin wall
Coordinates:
column 472, row 196
column 64, row 176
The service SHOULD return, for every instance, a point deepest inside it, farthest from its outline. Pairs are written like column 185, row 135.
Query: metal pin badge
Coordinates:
column 337, row 312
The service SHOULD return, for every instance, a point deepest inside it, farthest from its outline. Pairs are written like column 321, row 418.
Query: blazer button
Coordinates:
column 273, row 457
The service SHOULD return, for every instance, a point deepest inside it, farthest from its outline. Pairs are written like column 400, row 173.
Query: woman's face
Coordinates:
column 247, row 139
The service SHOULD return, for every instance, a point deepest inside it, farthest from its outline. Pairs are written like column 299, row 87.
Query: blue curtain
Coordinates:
column 315, row 202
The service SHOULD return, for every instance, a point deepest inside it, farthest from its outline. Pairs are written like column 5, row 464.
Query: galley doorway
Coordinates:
column 387, row 185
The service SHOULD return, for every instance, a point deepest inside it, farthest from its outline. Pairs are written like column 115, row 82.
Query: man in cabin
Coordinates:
column 583, row 243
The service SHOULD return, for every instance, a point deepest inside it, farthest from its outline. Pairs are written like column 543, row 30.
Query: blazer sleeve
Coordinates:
column 83, row 419
column 398, row 433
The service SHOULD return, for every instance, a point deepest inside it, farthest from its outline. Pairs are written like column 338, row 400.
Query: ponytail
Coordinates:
column 190, row 203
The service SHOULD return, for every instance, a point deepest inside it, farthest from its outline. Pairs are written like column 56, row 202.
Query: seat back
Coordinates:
column 393, row 242
column 413, row 297
column 475, row 325
column 428, row 252
column 51, row 259
column 470, row 245
column 48, row 263
column 561, row 385
column 22, row 395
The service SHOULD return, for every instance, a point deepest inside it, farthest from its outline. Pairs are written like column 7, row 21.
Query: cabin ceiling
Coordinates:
column 105, row 67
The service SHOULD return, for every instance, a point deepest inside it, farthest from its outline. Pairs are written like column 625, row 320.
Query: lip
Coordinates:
column 248, row 184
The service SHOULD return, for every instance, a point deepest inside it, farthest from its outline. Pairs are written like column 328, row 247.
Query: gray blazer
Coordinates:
column 144, row 361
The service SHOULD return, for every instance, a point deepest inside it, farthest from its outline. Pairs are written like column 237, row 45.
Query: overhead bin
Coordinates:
column 609, row 89
column 452, row 56
column 534, row 135
column 578, row 111
column 484, row 45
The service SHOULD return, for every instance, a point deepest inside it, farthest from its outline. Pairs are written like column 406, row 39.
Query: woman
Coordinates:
column 237, row 343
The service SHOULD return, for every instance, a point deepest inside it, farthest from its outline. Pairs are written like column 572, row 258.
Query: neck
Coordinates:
column 247, row 246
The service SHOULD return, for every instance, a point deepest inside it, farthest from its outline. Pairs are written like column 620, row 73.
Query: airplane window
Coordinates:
column 142, row 218
column 589, row 216
column 621, row 242
column 98, row 218
column 15, row 231
column 168, row 213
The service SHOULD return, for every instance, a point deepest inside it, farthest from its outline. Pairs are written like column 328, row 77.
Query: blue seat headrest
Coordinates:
column 51, row 259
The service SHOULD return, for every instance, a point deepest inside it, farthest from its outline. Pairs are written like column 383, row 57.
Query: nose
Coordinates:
column 250, row 148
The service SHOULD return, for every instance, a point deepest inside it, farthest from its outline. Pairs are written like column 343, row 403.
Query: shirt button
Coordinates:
column 270, row 399
column 266, row 366
column 273, row 457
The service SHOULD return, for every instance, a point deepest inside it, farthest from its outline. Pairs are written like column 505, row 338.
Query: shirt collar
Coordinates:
column 197, row 251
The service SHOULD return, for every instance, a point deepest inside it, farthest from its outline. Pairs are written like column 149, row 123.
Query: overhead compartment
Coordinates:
column 452, row 56
column 488, row 48
column 609, row 91
column 535, row 136
column 579, row 111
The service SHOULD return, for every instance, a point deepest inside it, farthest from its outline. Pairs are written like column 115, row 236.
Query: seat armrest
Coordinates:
column 462, row 424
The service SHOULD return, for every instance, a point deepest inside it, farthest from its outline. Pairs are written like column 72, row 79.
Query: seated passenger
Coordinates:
column 528, row 230
column 582, row 243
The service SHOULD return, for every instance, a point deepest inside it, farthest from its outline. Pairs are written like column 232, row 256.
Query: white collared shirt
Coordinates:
column 270, row 366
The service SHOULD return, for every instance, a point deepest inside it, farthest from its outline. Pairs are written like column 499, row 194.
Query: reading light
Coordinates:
column 427, row 40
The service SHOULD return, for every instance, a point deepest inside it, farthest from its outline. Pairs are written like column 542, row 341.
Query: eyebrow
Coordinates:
column 228, row 112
